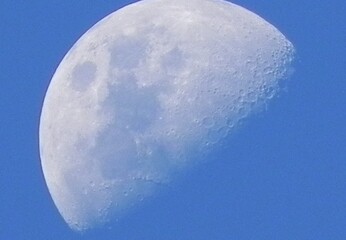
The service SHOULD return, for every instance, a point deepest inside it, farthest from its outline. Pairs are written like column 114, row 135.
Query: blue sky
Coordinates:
column 283, row 176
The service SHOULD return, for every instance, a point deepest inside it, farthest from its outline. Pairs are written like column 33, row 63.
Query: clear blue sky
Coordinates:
column 283, row 176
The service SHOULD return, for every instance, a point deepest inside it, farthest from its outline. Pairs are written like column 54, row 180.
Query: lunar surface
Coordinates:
column 147, row 92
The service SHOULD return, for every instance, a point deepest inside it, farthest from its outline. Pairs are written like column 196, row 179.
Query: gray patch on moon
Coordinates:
column 173, row 61
column 127, row 52
column 135, row 108
column 83, row 75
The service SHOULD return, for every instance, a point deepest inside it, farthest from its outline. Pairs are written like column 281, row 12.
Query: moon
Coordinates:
column 148, row 92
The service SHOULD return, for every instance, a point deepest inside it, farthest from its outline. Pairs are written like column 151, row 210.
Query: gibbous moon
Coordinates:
column 147, row 92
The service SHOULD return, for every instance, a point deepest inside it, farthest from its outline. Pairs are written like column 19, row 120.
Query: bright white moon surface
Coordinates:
column 147, row 92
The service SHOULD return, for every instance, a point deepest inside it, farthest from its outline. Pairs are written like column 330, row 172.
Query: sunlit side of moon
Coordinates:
column 148, row 91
